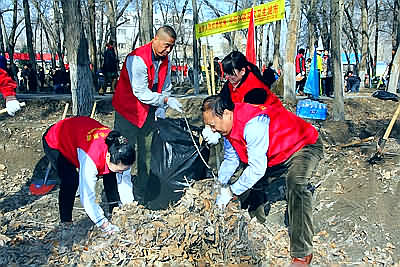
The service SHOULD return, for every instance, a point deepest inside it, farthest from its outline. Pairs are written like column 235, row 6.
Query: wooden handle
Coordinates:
column 65, row 111
column 389, row 128
column 93, row 109
column 4, row 110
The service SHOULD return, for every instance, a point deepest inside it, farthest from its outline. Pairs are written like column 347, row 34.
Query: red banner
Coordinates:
column 25, row 56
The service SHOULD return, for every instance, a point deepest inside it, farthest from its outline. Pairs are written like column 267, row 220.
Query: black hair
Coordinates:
column 217, row 105
column 3, row 63
column 301, row 51
column 256, row 96
column 119, row 148
column 236, row 60
column 168, row 30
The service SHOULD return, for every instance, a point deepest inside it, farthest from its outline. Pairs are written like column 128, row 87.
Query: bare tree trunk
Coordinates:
column 100, row 35
column 2, row 47
column 395, row 63
column 353, row 39
column 265, row 44
column 41, row 44
column 364, row 42
column 146, row 21
column 92, row 27
column 277, row 44
column 58, row 22
column 233, row 36
column 395, row 75
column 52, row 47
column 312, row 22
column 395, row 32
column 78, row 58
column 289, row 69
column 336, row 24
column 396, row 25
column 195, row 50
column 29, row 43
column 111, row 14
column 325, row 36
column 376, row 38
column 11, row 37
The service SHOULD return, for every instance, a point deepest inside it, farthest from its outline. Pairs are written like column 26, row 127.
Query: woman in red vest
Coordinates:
column 244, row 84
column 85, row 144
column 272, row 142
column 244, row 77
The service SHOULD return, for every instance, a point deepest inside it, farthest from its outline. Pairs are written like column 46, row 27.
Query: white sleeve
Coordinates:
column 167, row 87
column 87, row 188
column 229, row 164
column 256, row 135
column 139, row 80
column 125, row 187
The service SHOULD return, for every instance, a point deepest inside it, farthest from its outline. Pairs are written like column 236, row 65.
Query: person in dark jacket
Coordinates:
column 269, row 75
column 110, row 66
column 353, row 82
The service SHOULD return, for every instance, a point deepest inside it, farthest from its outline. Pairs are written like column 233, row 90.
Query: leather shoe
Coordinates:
column 304, row 260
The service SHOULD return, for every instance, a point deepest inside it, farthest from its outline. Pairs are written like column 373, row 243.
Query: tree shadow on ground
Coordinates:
column 24, row 197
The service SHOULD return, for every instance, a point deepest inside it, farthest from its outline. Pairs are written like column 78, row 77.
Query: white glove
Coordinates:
column 209, row 136
column 225, row 195
column 12, row 106
column 160, row 113
column 174, row 104
column 109, row 228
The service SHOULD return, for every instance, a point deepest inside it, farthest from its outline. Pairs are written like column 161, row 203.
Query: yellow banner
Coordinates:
column 265, row 13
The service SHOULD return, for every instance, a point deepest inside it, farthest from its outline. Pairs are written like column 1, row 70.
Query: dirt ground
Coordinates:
column 356, row 207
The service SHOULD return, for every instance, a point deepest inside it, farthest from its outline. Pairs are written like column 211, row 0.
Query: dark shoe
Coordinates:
column 305, row 260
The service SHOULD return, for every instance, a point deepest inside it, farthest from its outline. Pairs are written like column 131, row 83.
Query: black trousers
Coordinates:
column 69, row 177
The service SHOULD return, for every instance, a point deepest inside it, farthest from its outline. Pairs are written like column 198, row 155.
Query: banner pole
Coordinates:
column 204, row 49
column 212, row 72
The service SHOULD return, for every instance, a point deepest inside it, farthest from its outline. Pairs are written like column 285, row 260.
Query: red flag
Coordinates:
column 250, row 49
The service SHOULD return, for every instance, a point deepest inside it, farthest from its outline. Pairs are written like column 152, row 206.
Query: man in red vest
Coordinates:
column 272, row 142
column 143, row 92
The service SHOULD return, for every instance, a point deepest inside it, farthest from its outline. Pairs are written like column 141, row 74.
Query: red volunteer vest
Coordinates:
column 7, row 85
column 287, row 132
column 124, row 101
column 80, row 132
column 252, row 82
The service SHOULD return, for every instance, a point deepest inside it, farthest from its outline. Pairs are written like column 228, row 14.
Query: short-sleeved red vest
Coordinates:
column 85, row 133
column 287, row 132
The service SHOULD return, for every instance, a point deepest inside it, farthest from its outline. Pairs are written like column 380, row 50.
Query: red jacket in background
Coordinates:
column 300, row 63
column 287, row 132
column 85, row 133
column 7, row 85
column 124, row 101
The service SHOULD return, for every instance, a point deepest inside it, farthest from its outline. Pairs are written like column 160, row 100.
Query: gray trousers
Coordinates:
column 297, row 171
column 141, row 139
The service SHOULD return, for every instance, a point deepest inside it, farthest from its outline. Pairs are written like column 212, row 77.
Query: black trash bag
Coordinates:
column 174, row 163
column 383, row 95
